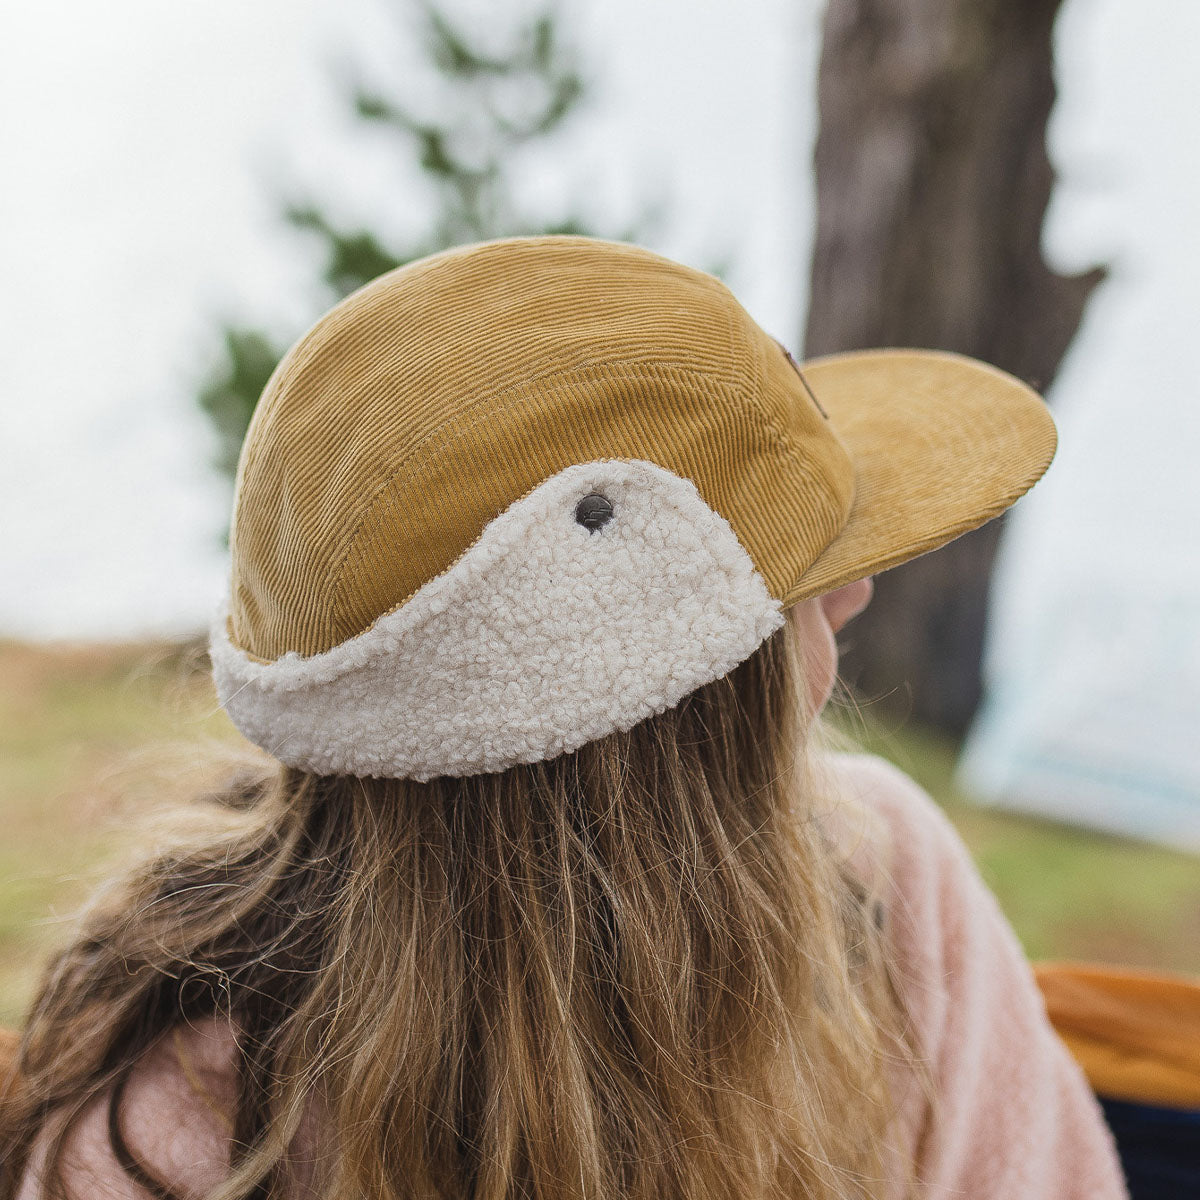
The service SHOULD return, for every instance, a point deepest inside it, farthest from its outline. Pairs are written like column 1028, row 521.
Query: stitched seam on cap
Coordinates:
column 750, row 397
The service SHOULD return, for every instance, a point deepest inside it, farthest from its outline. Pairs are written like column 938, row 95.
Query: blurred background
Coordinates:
column 188, row 187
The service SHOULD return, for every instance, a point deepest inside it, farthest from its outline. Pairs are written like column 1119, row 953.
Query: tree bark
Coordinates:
column 932, row 186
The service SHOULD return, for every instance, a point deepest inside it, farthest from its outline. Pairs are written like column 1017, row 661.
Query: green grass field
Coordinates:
column 91, row 738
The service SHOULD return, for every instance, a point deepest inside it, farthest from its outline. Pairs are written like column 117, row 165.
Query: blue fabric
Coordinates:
column 1159, row 1148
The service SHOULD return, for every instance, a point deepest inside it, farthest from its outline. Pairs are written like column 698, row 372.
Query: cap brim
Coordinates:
column 940, row 444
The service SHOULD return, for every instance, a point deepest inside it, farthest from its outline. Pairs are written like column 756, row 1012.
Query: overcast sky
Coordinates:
column 146, row 146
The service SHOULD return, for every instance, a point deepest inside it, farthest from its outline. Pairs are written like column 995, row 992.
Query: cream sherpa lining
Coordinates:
column 541, row 637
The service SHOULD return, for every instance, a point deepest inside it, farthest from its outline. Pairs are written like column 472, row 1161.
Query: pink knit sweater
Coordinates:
column 1013, row 1117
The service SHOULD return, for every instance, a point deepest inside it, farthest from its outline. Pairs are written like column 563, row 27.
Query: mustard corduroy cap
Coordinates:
column 522, row 494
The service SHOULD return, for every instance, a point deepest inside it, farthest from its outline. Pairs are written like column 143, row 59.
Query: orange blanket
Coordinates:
column 1135, row 1033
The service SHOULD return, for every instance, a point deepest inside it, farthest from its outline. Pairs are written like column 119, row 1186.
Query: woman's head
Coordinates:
column 518, row 496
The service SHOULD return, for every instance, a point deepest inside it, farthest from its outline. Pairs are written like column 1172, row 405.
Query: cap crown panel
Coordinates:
column 430, row 401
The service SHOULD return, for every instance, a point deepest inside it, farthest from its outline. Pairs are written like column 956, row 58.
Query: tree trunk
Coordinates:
column 932, row 186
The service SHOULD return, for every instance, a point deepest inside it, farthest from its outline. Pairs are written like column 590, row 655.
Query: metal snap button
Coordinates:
column 594, row 511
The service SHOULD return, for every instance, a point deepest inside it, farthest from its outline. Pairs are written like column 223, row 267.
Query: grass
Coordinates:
column 92, row 737
column 1069, row 892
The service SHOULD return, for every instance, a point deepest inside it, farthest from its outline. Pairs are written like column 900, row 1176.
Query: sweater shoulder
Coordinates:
column 175, row 1116
column 904, row 849
column 884, row 788
column 894, row 833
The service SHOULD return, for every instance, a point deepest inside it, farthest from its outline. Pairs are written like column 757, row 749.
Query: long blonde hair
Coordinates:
column 637, row 971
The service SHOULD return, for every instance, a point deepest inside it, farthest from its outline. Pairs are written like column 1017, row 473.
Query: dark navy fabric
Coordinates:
column 1159, row 1148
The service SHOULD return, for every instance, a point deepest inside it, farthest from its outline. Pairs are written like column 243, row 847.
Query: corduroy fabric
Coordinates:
column 940, row 444
column 430, row 401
